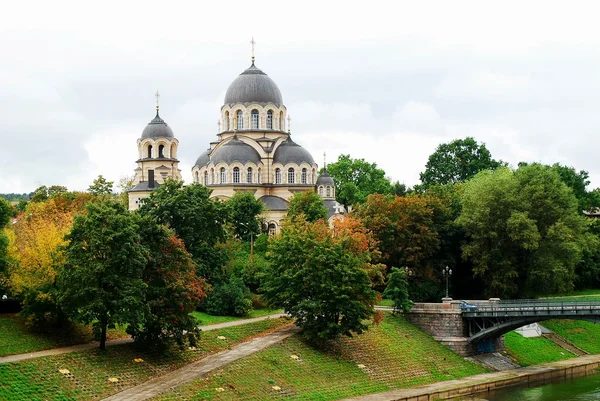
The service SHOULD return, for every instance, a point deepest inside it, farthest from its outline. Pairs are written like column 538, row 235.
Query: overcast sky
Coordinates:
column 384, row 81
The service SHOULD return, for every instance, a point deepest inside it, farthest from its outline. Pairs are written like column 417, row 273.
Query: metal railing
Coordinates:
column 530, row 305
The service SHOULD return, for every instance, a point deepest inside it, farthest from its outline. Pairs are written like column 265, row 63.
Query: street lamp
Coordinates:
column 446, row 272
column 251, row 241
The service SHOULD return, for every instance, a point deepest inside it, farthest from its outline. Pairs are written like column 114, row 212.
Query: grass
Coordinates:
column 89, row 371
column 533, row 351
column 206, row 319
column 394, row 354
column 583, row 334
column 16, row 338
column 386, row 302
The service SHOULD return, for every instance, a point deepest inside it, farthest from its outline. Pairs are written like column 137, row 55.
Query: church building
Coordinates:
column 254, row 151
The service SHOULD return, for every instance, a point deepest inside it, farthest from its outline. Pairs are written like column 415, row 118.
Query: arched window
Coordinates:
column 272, row 229
column 321, row 191
column 226, row 121
column 303, row 177
column 281, row 121
column 206, row 178
column 328, row 191
column 149, row 151
column 254, row 115
column 223, row 176
column 236, row 175
column 291, row 176
column 196, row 177
column 270, row 119
column 240, row 119
column 249, row 176
column 258, row 179
column 278, row 176
column 161, row 151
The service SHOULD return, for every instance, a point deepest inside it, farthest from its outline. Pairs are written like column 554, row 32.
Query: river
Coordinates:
column 581, row 389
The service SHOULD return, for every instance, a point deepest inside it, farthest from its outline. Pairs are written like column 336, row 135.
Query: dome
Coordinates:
column 203, row 159
column 235, row 151
column 325, row 179
column 253, row 86
column 290, row 152
column 157, row 128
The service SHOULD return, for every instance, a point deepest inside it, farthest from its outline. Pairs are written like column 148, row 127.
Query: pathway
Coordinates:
column 82, row 347
column 200, row 368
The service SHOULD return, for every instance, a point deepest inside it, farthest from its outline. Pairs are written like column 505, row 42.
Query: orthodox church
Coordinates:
column 254, row 151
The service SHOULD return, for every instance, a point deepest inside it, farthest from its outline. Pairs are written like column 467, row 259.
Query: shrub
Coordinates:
column 229, row 299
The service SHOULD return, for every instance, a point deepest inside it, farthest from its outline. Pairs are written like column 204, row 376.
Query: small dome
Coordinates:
column 235, row 151
column 253, row 86
column 203, row 159
column 290, row 152
column 157, row 128
column 325, row 179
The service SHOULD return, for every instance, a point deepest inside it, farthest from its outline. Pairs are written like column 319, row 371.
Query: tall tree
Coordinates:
column 101, row 283
column 309, row 204
column 101, row 186
column 356, row 179
column 243, row 210
column 5, row 213
column 457, row 161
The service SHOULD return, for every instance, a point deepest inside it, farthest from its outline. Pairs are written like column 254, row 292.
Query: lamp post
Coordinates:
column 251, row 241
column 446, row 272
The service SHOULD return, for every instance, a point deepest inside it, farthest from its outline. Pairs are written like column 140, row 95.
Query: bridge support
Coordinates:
column 445, row 323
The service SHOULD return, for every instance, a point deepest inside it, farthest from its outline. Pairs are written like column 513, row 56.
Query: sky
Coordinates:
column 387, row 81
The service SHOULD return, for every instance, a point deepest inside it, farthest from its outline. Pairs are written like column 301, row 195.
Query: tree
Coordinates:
column 356, row 179
column 321, row 279
column 309, row 204
column 5, row 213
column 243, row 210
column 43, row 193
column 524, row 233
column 125, row 182
column 196, row 219
column 457, row 161
column 397, row 290
column 230, row 299
column 101, row 186
column 101, row 283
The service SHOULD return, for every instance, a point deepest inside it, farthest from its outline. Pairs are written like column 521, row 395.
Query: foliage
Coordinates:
column 125, row 182
column 101, row 186
column 101, row 283
column 5, row 212
column 43, row 193
column 12, row 197
column 457, row 161
column 241, row 264
column 229, row 299
column 397, row 290
column 196, row 219
column 309, row 204
column 525, row 234
column 243, row 210
column 321, row 279
column 356, row 179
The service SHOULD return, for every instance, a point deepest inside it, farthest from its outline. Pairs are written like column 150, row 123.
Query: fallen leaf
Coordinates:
column 138, row 360
column 219, row 389
column 222, row 338
column 113, row 380
column 276, row 388
column 64, row 371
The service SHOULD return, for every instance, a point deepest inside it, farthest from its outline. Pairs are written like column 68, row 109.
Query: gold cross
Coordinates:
column 157, row 98
column 252, row 42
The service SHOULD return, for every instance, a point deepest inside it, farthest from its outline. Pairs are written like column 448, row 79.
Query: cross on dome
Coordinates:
column 157, row 95
column 253, row 42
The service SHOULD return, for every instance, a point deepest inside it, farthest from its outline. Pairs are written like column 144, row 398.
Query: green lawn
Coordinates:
column 386, row 302
column 15, row 338
column 89, row 371
column 583, row 334
column 394, row 354
column 533, row 351
column 206, row 319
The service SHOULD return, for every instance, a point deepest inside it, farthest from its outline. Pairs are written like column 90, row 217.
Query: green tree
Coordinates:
column 524, row 233
column 457, row 161
column 101, row 282
column 397, row 290
column 230, row 299
column 196, row 219
column 355, row 179
column 101, row 186
column 43, row 193
column 309, row 204
column 125, row 182
column 321, row 279
column 5, row 213
column 243, row 210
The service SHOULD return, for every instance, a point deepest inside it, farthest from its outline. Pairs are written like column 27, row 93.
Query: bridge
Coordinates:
column 471, row 327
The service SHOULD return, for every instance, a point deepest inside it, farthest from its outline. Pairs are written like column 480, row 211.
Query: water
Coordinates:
column 581, row 389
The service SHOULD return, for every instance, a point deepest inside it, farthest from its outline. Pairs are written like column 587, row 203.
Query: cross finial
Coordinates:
column 289, row 124
column 157, row 99
column 325, row 160
column 253, row 42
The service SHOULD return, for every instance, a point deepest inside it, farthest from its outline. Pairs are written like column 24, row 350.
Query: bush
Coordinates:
column 229, row 299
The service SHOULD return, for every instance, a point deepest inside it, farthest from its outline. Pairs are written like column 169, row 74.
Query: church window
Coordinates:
column 223, row 176
column 291, row 176
column 281, row 121
column 227, row 120
column 270, row 119
column 303, row 177
column 249, row 176
column 254, row 115
column 149, row 151
column 278, row 176
column 236, row 175
column 161, row 151
column 321, row 191
column 328, row 191
column 240, row 119
column 196, row 177
column 272, row 229
column 206, row 178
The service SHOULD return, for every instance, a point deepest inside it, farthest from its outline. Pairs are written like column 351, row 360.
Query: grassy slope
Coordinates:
column 533, row 351
column 395, row 354
column 40, row 379
column 583, row 334
column 15, row 338
column 206, row 319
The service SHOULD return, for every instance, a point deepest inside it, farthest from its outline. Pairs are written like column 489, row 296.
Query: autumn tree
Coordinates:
column 243, row 210
column 309, row 204
column 457, row 161
column 5, row 213
column 102, row 280
column 101, row 186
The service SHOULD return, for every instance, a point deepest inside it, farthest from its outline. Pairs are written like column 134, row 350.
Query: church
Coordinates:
column 254, row 151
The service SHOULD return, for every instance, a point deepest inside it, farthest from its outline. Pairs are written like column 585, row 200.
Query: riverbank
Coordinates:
column 567, row 369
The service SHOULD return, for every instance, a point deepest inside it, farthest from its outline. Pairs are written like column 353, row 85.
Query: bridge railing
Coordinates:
column 529, row 305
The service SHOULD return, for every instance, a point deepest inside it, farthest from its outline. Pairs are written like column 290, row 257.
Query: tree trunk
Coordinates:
column 103, row 336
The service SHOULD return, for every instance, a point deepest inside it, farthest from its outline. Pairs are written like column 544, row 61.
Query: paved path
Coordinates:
column 82, row 347
column 200, row 368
